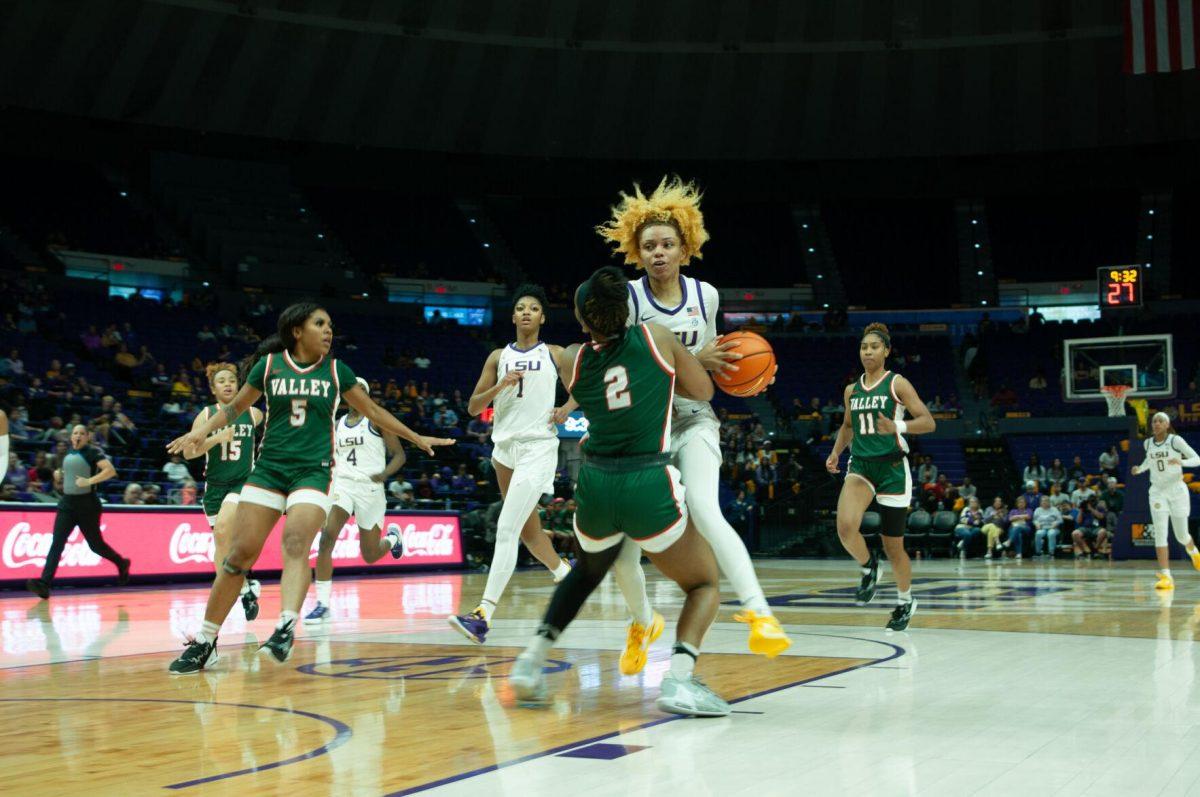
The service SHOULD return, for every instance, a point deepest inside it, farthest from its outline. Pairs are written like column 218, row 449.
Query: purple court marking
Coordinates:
column 602, row 751
column 343, row 731
column 896, row 653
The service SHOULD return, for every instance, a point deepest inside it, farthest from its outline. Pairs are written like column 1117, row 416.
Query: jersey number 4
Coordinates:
column 616, row 391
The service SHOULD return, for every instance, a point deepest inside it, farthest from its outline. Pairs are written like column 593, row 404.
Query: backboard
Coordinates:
column 1145, row 362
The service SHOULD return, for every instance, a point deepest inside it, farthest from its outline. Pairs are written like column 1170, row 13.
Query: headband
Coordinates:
column 887, row 341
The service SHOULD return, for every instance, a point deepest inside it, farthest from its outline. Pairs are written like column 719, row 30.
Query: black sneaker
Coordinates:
column 279, row 646
column 901, row 615
column 123, row 572
column 38, row 587
column 196, row 656
column 870, row 579
column 250, row 601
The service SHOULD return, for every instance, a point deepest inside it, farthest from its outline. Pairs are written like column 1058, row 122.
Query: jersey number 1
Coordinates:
column 616, row 391
column 866, row 423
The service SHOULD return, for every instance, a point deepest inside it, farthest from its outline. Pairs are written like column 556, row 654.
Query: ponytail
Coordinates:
column 292, row 316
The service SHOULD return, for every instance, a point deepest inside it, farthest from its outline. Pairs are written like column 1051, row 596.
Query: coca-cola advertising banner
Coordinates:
column 172, row 542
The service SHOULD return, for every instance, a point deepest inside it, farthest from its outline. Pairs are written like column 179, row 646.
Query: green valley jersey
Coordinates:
column 866, row 404
column 230, row 463
column 301, row 401
column 624, row 389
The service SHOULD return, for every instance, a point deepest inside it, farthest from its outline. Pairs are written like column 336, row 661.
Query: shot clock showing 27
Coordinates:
column 1119, row 286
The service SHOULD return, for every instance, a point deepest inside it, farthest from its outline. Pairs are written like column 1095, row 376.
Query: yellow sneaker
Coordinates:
column 767, row 637
column 1164, row 582
column 1195, row 556
column 637, row 642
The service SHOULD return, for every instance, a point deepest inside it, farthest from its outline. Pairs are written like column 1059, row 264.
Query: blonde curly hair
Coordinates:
column 674, row 202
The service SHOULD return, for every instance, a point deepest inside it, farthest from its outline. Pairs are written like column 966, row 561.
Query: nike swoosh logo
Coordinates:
column 647, row 318
column 694, row 412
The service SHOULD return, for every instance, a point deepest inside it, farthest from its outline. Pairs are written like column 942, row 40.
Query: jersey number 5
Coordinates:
column 616, row 392
column 866, row 423
column 299, row 411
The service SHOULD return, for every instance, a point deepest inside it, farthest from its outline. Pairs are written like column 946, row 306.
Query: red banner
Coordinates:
column 173, row 542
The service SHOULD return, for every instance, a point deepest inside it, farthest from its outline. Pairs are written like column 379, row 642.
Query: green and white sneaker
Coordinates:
column 691, row 698
column 528, row 682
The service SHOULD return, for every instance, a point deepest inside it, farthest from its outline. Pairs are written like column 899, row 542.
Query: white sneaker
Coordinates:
column 1018, row 556
column 528, row 681
column 987, row 555
column 691, row 698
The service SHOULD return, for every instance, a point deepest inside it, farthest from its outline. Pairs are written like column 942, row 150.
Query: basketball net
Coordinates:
column 1114, row 396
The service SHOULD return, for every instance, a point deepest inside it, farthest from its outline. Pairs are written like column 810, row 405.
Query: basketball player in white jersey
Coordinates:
column 361, row 469
column 1166, row 456
column 520, row 380
column 658, row 235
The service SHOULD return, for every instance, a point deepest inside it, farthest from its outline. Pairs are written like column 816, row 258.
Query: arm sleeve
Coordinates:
column 346, row 378
column 257, row 376
column 1188, row 454
column 633, row 306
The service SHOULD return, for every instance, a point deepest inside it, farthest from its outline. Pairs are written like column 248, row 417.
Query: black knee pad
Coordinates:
column 893, row 520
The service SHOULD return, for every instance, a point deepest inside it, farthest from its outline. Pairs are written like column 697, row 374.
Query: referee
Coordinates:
column 82, row 469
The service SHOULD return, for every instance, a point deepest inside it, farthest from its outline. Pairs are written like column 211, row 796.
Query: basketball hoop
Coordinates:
column 1114, row 396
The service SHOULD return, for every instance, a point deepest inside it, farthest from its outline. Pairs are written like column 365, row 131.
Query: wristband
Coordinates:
column 901, row 427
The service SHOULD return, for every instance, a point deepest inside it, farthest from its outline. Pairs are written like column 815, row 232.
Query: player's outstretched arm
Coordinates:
column 227, row 414
column 384, row 421
column 225, row 436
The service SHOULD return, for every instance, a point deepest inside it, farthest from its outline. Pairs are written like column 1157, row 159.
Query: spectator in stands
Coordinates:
column 445, row 418
column 1082, row 492
column 132, row 495
column 1057, row 496
column 1047, row 522
column 1056, row 473
column 479, row 431
column 40, row 471
column 12, row 366
column 1020, row 521
column 832, row 412
column 968, row 490
column 176, row 470
column 111, row 337
column 172, row 407
column 1032, row 495
column 425, row 487
column 927, row 473
column 8, row 492
column 937, row 493
column 970, row 527
column 459, row 405
column 937, row 405
column 206, row 335
column 737, row 512
column 1005, row 398
column 124, row 361
column 1076, row 475
column 17, row 474
column 161, row 381
column 421, row 361
column 90, row 340
column 463, row 481
column 995, row 521
column 1113, row 497
column 1091, row 534
column 401, row 490
column 18, row 424
column 1109, row 462
column 182, row 384
column 1034, row 472
column 1038, row 381
column 54, row 371
column 184, row 496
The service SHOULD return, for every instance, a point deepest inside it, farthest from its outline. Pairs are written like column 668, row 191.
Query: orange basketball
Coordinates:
column 754, row 371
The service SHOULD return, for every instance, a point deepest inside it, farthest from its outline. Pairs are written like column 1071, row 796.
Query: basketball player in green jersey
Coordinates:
column 625, row 380
column 293, row 475
column 228, row 457
column 874, row 428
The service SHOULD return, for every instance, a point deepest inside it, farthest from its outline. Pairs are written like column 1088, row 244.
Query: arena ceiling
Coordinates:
column 622, row 79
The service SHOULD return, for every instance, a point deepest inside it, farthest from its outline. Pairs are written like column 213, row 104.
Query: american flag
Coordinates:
column 1161, row 35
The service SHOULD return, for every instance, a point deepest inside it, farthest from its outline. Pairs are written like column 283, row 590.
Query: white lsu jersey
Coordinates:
column 360, row 450
column 694, row 322
column 523, row 411
column 1163, row 475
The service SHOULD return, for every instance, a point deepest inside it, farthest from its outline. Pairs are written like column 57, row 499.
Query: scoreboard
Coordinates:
column 1119, row 286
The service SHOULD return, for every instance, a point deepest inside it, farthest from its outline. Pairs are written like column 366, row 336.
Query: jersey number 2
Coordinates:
column 616, row 392
column 866, row 423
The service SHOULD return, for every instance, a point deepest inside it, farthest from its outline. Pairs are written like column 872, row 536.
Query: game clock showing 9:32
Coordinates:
column 1120, row 286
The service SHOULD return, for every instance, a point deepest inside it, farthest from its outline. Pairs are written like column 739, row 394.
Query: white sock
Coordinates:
column 391, row 538
column 324, row 591
column 905, row 596
column 561, row 571
column 1166, row 571
column 245, row 587
column 538, row 649
column 487, row 609
column 683, row 660
column 631, row 580
column 287, row 619
column 208, row 631
column 1191, row 549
